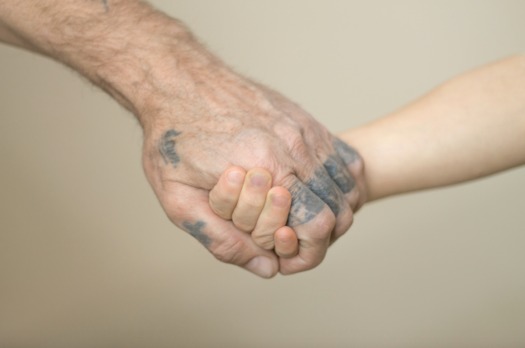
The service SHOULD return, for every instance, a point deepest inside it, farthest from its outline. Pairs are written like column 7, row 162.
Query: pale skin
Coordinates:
column 259, row 210
column 470, row 127
column 199, row 118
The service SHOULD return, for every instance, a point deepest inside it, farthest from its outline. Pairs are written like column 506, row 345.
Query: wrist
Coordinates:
column 139, row 62
column 166, row 77
column 359, row 168
column 144, row 70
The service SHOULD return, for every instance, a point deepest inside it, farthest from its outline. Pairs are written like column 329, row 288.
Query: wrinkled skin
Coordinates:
column 227, row 121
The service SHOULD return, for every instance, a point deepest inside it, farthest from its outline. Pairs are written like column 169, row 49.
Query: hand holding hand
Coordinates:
column 228, row 120
column 256, row 208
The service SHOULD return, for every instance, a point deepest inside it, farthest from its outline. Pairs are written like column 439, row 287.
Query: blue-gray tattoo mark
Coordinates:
column 339, row 173
column 305, row 205
column 195, row 230
column 325, row 188
column 167, row 147
column 309, row 199
column 347, row 153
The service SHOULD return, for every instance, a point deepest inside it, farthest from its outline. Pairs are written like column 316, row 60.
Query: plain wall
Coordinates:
column 88, row 258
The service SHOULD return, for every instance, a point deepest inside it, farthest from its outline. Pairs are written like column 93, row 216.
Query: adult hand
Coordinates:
column 199, row 118
column 222, row 119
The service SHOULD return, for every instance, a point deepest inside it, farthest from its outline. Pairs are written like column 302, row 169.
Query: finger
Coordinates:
column 251, row 201
column 286, row 242
column 225, row 194
column 227, row 243
column 273, row 216
column 341, row 177
column 313, row 222
column 337, row 170
column 331, row 179
column 322, row 185
column 353, row 162
column 314, row 241
column 347, row 154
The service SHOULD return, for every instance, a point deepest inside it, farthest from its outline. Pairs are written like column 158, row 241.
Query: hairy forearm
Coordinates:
column 126, row 47
column 199, row 118
column 7, row 36
column 472, row 126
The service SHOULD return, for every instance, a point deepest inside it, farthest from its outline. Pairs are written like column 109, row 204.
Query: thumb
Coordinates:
column 227, row 243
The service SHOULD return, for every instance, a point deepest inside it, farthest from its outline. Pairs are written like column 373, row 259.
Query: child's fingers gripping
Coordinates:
column 273, row 216
column 252, row 199
column 225, row 194
column 286, row 242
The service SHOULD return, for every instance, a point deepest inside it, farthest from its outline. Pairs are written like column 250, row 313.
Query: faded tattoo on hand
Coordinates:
column 106, row 5
column 326, row 189
column 308, row 199
column 345, row 152
column 195, row 230
column 305, row 205
column 167, row 147
column 327, row 186
column 339, row 173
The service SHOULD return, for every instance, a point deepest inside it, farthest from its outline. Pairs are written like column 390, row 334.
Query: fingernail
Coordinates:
column 235, row 177
column 280, row 201
column 259, row 180
column 262, row 266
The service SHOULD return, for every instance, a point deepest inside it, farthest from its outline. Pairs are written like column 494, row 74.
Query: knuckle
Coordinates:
column 298, row 148
column 264, row 241
column 243, row 222
column 288, row 182
column 346, row 222
column 214, row 197
column 219, row 198
column 292, row 134
column 253, row 204
column 221, row 209
column 229, row 251
column 173, row 207
column 243, row 226
column 323, row 225
column 222, row 212
column 295, row 137
column 230, row 201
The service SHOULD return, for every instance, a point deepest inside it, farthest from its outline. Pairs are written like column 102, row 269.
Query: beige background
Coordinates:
column 88, row 259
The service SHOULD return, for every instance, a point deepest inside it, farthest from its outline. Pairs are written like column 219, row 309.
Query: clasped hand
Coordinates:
column 230, row 122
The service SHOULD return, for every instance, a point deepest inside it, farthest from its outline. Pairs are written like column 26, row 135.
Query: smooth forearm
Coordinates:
column 472, row 126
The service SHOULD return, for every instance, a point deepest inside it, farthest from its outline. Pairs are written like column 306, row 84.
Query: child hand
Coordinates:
column 254, row 206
